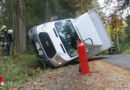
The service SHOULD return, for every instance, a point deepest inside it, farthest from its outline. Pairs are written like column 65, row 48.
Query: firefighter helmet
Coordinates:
column 4, row 26
column 10, row 31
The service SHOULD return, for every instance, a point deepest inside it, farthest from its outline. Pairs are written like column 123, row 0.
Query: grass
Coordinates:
column 126, row 51
column 19, row 69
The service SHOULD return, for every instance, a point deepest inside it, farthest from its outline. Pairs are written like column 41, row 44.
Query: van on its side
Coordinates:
column 55, row 42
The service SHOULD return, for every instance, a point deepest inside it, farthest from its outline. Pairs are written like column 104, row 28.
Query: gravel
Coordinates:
column 103, row 76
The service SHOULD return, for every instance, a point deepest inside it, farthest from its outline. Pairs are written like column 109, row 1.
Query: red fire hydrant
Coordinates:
column 83, row 58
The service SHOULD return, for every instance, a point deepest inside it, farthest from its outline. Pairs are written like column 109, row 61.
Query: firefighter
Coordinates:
column 9, row 39
column 2, row 35
column 6, row 39
column 2, row 38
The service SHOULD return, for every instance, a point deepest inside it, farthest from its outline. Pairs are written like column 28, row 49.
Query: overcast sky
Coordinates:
column 101, row 2
column 110, row 10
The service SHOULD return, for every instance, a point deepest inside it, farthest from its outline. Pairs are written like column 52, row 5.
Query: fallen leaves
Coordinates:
column 102, row 76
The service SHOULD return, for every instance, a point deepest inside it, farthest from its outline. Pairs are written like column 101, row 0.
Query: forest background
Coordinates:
column 22, row 15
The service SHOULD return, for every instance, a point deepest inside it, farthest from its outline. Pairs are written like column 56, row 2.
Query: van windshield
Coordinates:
column 68, row 36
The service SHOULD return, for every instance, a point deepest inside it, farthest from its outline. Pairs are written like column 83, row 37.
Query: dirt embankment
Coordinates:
column 103, row 76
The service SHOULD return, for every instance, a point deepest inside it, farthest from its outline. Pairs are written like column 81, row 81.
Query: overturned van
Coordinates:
column 55, row 43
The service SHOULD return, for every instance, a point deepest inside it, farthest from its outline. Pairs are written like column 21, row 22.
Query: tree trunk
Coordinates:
column 21, row 39
column 118, row 43
column 13, row 25
column 47, row 11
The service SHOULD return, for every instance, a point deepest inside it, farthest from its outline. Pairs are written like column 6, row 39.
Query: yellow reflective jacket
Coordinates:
column 1, row 29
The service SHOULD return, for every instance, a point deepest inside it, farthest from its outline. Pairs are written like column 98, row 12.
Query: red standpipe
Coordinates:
column 1, row 81
column 83, row 58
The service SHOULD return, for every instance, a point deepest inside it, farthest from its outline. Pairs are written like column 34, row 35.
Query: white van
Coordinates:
column 56, row 42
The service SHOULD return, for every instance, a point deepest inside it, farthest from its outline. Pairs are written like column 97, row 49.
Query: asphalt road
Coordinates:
column 118, row 60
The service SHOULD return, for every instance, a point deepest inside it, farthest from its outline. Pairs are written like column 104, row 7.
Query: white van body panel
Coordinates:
column 86, row 29
column 89, row 25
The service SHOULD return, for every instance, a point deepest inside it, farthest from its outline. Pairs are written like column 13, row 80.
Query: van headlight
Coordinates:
column 58, row 59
